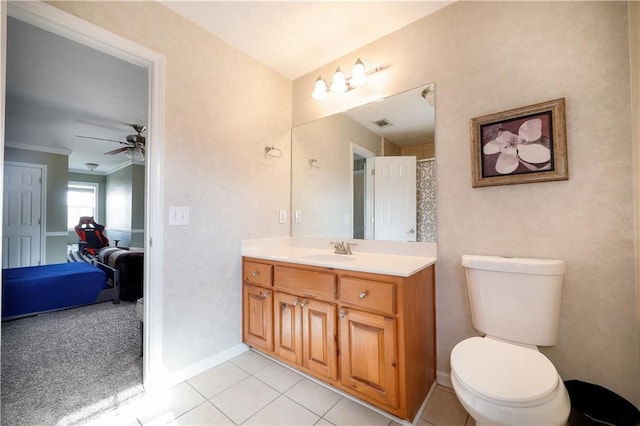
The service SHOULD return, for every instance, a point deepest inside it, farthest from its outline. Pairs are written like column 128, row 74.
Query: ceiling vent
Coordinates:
column 382, row 123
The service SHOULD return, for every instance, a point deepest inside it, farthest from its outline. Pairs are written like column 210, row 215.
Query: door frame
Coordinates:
column 369, row 192
column 43, row 202
column 64, row 24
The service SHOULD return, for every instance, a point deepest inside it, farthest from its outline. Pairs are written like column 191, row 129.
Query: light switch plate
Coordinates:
column 178, row 216
column 283, row 216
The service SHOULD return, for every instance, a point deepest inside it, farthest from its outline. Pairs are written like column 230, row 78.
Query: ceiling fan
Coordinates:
column 134, row 144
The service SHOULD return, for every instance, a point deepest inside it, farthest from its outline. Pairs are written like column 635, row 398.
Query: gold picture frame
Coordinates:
column 522, row 145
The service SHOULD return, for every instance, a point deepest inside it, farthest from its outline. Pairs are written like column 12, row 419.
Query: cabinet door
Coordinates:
column 288, row 327
column 368, row 353
column 319, row 337
column 257, row 327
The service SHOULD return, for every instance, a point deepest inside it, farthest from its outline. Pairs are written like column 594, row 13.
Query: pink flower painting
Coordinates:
column 518, row 146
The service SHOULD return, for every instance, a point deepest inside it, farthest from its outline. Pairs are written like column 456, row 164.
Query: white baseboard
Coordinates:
column 202, row 366
column 444, row 379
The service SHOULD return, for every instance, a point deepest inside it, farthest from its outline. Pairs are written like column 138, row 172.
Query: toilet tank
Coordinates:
column 516, row 299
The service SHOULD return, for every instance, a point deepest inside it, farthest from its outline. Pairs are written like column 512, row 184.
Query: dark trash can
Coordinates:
column 594, row 405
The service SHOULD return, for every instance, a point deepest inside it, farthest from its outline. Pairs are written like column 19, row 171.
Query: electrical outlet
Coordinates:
column 283, row 216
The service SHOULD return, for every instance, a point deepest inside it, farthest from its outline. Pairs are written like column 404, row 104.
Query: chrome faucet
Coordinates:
column 342, row 247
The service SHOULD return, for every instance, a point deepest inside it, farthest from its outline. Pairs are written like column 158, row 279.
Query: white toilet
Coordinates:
column 502, row 378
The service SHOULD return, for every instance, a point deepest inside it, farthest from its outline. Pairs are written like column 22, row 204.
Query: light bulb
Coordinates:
column 339, row 84
column 359, row 75
column 320, row 89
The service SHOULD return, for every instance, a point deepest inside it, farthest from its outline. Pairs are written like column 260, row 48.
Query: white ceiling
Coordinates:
column 296, row 37
column 58, row 89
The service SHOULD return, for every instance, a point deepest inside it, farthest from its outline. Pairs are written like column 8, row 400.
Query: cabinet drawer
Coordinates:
column 257, row 273
column 370, row 295
column 307, row 283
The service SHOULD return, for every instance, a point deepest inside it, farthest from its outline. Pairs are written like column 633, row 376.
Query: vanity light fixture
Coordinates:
column 341, row 83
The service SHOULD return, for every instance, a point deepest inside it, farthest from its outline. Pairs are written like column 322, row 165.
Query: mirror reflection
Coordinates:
column 368, row 172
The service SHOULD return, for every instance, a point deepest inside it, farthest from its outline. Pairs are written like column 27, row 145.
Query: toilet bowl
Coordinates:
column 502, row 378
column 501, row 383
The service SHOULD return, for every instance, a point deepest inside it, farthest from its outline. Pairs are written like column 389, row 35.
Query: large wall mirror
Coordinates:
column 368, row 172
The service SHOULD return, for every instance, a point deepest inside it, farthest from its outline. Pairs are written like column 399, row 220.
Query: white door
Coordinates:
column 21, row 216
column 395, row 198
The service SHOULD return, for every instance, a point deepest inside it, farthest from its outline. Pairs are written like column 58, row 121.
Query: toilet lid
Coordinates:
column 503, row 372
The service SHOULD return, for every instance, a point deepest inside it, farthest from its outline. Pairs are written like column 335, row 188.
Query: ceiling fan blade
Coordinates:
column 117, row 151
column 102, row 139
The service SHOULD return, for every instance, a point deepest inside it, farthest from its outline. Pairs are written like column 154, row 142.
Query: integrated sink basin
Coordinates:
column 327, row 257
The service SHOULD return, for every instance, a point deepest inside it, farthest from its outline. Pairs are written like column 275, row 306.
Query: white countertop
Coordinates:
column 379, row 263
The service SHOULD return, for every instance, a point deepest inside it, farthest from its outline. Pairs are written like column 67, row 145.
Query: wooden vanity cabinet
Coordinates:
column 257, row 305
column 370, row 335
column 305, row 319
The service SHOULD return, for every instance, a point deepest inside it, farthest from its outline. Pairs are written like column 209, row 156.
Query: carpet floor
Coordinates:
column 69, row 367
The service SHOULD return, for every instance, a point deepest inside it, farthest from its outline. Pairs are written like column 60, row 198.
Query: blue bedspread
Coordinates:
column 43, row 288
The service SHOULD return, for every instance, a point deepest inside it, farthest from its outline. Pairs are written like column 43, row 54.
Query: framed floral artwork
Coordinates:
column 522, row 145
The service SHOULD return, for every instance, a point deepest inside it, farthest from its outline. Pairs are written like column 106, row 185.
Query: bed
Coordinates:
column 37, row 289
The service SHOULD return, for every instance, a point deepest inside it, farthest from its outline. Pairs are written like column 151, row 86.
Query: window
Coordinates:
column 82, row 200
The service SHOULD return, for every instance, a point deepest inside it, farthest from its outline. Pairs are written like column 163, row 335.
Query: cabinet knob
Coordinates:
column 295, row 303
column 342, row 313
column 255, row 273
column 363, row 295
column 266, row 294
column 303, row 304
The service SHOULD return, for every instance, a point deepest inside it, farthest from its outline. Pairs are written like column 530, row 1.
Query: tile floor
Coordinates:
column 251, row 389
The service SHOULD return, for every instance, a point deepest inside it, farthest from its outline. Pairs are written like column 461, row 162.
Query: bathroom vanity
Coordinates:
column 364, row 324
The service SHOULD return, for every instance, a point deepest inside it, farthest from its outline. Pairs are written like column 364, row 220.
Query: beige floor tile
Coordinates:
column 203, row 414
column 244, row 399
column 163, row 406
column 444, row 408
column 278, row 377
column 251, row 362
column 120, row 417
column 217, row 379
column 324, row 422
column 283, row 411
column 313, row 396
column 347, row 412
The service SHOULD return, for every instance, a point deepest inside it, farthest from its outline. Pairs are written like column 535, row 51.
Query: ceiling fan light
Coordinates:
column 137, row 155
column 359, row 74
column 339, row 83
column 320, row 89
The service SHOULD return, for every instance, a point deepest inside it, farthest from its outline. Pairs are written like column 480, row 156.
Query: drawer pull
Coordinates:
column 255, row 273
column 363, row 295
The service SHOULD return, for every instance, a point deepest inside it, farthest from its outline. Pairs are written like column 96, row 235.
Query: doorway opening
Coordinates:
column 49, row 18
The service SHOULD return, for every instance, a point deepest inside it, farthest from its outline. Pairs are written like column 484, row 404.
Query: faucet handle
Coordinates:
column 349, row 245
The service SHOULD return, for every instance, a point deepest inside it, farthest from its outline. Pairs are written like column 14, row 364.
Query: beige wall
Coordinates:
column 221, row 109
column 421, row 152
column 634, row 26
column 488, row 57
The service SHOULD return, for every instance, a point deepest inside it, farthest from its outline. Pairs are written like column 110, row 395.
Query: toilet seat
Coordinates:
column 504, row 373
